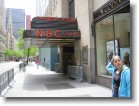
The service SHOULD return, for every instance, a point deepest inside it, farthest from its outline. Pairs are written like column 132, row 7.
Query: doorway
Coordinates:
column 68, row 58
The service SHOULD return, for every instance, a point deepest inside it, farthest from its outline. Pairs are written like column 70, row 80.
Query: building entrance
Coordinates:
column 68, row 57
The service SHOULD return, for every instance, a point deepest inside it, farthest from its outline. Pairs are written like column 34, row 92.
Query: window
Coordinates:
column 104, row 33
column 113, row 38
column 122, row 32
column 71, row 9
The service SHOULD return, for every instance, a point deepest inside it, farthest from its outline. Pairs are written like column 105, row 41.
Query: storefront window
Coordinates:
column 104, row 33
column 122, row 33
column 112, row 38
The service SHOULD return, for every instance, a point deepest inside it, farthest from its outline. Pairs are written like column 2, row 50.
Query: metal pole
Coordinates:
column 28, row 55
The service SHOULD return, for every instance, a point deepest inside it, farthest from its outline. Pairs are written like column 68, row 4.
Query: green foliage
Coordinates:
column 9, row 53
column 21, row 52
column 20, row 31
column 20, row 41
column 20, row 45
column 32, row 51
column 18, row 54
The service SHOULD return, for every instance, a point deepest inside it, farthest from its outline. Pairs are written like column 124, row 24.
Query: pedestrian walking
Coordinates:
column 120, row 77
column 37, row 62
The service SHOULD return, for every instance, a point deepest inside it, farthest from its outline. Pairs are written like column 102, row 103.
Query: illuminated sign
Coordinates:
column 52, row 34
column 54, row 23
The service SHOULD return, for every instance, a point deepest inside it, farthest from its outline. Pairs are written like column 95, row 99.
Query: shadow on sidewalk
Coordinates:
column 42, row 79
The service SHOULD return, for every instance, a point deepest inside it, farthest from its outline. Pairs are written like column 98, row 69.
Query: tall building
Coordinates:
column 28, row 22
column 18, row 20
column 48, row 11
column 10, row 39
column 41, row 7
column 2, row 28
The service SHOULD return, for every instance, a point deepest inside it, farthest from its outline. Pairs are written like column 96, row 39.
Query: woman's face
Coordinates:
column 117, row 62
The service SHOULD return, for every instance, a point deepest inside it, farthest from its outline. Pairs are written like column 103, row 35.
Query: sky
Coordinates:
column 28, row 5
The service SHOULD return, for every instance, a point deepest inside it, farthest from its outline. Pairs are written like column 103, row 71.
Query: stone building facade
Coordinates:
column 93, row 20
column 2, row 28
column 41, row 7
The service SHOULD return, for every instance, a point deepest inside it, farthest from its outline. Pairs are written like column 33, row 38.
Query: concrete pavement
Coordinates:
column 45, row 83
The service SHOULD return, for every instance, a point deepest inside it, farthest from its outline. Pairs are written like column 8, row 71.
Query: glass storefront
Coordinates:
column 113, row 38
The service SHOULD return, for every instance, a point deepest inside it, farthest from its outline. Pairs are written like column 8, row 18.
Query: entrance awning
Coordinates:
column 51, row 31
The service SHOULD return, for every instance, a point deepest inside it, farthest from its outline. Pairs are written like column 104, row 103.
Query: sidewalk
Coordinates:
column 45, row 83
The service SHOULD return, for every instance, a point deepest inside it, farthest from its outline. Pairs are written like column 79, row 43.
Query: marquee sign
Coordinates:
column 51, row 34
column 53, row 28
column 54, row 23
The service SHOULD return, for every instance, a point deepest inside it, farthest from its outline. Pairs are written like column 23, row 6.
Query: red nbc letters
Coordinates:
column 56, row 35
column 48, row 33
column 38, row 33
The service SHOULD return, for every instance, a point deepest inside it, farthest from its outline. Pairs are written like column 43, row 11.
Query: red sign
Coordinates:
column 52, row 34
column 54, row 23
column 54, row 19
column 53, row 28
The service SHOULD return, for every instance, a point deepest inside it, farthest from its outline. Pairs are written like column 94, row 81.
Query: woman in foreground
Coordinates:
column 120, row 77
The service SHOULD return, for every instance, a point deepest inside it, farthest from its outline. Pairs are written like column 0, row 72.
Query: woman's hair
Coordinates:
column 113, row 58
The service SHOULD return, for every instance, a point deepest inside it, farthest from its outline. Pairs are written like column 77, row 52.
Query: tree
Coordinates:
column 7, row 53
column 20, row 51
column 31, row 51
column 20, row 43
column 12, row 54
